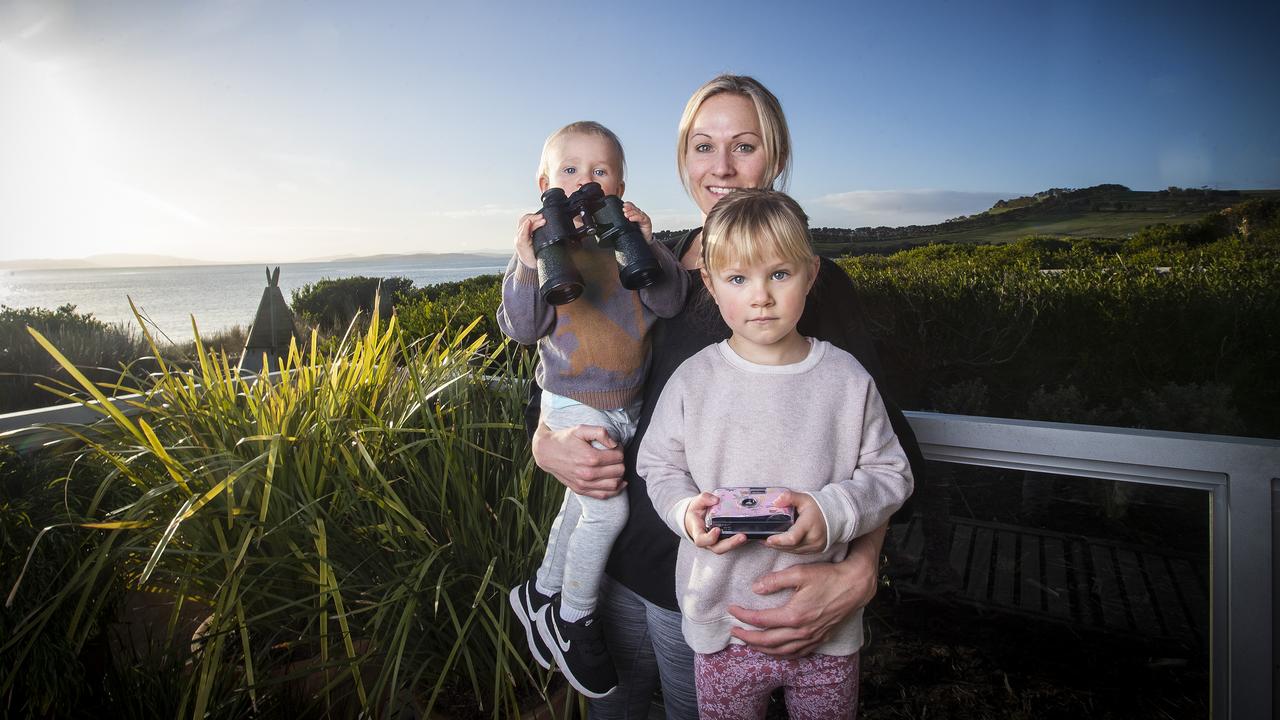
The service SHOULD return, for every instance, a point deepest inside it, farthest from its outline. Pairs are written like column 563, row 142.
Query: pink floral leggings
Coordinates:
column 735, row 684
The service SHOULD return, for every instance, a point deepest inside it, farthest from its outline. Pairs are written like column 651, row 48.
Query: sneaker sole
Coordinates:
column 517, row 604
column 558, row 656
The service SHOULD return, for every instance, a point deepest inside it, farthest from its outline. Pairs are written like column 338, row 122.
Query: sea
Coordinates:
column 219, row 297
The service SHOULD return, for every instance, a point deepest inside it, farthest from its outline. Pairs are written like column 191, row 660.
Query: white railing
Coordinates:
column 1241, row 476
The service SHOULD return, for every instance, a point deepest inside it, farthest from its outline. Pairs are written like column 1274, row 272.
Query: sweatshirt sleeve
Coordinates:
column 666, row 297
column 523, row 315
column 880, row 484
column 661, row 460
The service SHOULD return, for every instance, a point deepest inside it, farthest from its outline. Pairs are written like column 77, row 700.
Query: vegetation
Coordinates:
column 1107, row 211
column 1173, row 329
column 430, row 310
column 102, row 351
column 330, row 305
column 340, row 539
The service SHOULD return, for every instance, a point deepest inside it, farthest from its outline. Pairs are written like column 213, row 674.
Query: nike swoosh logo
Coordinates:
column 564, row 646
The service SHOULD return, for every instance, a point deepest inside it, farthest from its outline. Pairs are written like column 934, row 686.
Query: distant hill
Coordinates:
column 1101, row 211
column 111, row 260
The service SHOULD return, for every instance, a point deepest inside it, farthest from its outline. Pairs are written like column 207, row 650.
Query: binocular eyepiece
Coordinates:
column 602, row 218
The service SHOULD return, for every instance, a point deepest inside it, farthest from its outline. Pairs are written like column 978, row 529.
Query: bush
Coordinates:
column 330, row 305
column 436, row 308
column 359, row 521
column 100, row 349
column 1119, row 325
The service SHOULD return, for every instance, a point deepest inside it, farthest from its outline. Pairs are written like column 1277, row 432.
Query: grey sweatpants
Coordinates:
column 583, row 533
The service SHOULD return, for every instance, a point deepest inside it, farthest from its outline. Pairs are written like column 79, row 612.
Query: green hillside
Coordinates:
column 1102, row 211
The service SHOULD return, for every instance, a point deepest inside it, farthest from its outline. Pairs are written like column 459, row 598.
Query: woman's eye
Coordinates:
column 702, row 147
column 745, row 148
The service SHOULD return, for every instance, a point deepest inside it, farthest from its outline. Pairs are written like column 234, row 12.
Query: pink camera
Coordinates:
column 750, row 511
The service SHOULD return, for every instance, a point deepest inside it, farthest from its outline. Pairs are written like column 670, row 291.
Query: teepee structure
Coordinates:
column 272, row 329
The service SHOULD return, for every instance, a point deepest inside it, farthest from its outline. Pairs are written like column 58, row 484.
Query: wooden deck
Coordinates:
column 1145, row 591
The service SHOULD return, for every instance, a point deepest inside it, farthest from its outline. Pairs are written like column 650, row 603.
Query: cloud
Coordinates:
column 487, row 210
column 895, row 208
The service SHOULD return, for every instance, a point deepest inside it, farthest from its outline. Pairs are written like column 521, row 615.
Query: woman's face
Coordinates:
column 725, row 149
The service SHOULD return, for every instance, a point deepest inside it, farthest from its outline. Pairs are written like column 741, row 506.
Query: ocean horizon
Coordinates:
column 219, row 296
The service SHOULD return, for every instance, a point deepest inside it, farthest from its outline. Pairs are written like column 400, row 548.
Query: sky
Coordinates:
column 273, row 131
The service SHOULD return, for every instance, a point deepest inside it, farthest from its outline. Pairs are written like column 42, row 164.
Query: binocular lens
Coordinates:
column 640, row 274
column 558, row 278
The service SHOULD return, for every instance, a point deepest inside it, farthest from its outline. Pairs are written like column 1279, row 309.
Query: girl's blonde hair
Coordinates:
column 752, row 226
column 583, row 127
column 776, row 143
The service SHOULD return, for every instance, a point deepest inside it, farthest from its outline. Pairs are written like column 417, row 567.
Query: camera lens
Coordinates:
column 748, row 502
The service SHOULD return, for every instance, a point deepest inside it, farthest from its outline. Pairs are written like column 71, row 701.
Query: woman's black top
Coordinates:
column 644, row 555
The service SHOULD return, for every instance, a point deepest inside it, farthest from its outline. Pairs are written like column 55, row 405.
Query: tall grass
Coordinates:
column 101, row 350
column 347, row 531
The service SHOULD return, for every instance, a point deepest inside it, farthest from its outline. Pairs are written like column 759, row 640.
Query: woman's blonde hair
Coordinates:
column 776, row 140
column 752, row 226
column 581, row 127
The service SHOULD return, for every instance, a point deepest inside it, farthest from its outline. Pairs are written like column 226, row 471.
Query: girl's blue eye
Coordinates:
column 781, row 274
column 570, row 170
column 599, row 172
column 736, row 280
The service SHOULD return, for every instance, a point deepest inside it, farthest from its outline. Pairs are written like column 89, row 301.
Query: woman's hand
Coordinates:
column 571, row 457
column 524, row 239
column 808, row 534
column 825, row 595
column 637, row 216
column 695, row 524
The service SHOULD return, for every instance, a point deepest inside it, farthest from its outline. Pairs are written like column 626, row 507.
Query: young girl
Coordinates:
column 767, row 407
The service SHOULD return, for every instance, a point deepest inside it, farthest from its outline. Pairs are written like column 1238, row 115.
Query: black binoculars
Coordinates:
column 558, row 279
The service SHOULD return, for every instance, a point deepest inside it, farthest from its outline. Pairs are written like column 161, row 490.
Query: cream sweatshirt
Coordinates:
column 816, row 426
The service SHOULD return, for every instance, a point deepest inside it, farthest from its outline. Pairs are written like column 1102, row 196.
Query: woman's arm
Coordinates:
column 825, row 595
column 570, row 457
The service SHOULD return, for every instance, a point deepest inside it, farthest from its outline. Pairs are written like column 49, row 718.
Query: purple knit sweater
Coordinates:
column 596, row 348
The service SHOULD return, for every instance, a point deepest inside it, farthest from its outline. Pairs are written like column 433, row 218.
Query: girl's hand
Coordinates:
column 637, row 216
column 695, row 523
column 573, row 459
column 825, row 595
column 524, row 238
column 808, row 534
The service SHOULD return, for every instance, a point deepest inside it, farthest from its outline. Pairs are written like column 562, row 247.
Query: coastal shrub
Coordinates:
column 330, row 305
column 436, row 308
column 1118, row 325
column 97, row 348
column 349, row 531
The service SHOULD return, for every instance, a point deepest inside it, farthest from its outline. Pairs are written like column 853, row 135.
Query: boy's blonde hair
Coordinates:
column 776, row 140
column 581, row 127
column 751, row 226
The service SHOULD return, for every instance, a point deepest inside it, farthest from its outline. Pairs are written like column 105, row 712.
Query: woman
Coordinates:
column 732, row 135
